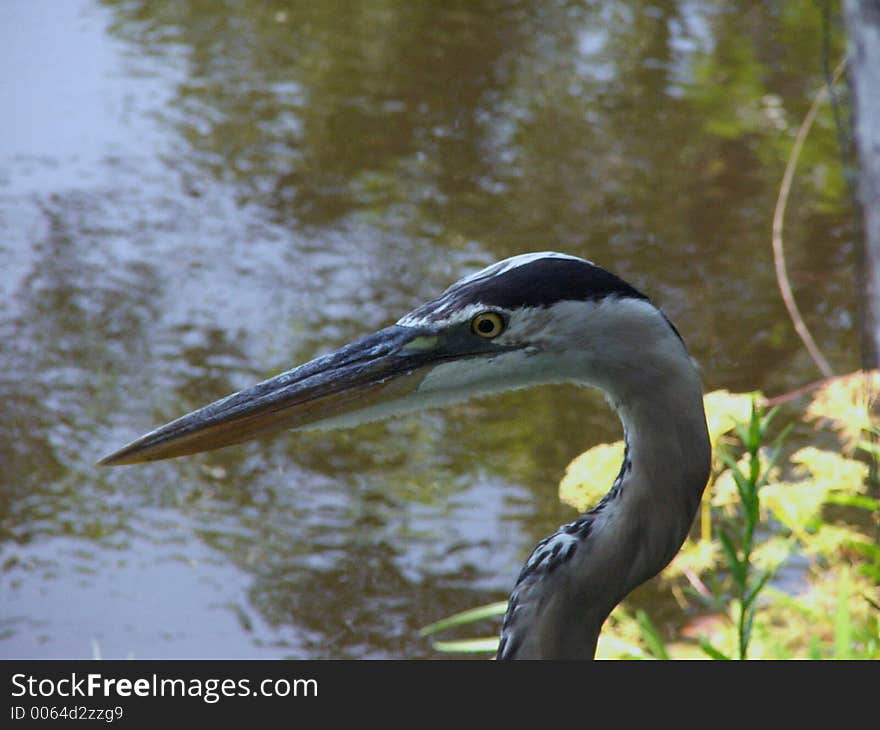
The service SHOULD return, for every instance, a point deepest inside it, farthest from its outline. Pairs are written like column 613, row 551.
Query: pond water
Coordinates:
column 197, row 195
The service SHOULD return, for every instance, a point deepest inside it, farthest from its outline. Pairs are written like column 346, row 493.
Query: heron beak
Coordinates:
column 351, row 382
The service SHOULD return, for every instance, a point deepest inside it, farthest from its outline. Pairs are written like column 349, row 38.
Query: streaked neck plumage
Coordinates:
column 575, row 577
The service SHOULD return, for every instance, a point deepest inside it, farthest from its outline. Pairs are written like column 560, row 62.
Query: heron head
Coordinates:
column 534, row 318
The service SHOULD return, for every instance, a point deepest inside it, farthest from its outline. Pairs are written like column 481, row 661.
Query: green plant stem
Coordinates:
column 738, row 544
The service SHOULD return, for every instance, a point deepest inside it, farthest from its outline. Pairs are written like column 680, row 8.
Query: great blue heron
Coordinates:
column 531, row 319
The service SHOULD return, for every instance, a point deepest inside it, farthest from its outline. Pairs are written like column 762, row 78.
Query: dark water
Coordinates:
column 195, row 195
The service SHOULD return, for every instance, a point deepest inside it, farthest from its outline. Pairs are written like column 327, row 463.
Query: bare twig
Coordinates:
column 797, row 393
column 778, row 220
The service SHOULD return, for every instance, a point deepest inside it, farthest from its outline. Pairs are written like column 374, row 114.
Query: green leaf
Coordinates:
column 768, row 418
column 467, row 646
column 651, row 636
column 712, row 652
column 727, row 459
column 465, row 617
column 756, row 589
column 736, row 567
column 745, row 635
column 854, row 500
column 754, row 470
column 843, row 630
column 743, row 434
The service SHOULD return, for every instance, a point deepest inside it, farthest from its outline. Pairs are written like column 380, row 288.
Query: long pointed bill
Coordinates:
column 351, row 382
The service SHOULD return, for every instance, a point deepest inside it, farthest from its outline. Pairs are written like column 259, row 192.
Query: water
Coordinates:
column 194, row 196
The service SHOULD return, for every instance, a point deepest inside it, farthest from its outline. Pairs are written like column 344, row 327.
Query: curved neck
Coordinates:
column 575, row 577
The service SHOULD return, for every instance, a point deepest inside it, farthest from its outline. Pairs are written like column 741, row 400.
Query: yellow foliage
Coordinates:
column 848, row 404
column 612, row 645
column 831, row 469
column 772, row 553
column 590, row 475
column 829, row 540
column 820, row 597
column 695, row 556
column 795, row 504
column 724, row 410
column 786, row 625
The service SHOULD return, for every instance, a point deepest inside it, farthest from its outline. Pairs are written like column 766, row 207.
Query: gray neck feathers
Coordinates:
column 575, row 577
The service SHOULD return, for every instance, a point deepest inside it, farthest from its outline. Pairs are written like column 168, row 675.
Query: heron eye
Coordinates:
column 487, row 324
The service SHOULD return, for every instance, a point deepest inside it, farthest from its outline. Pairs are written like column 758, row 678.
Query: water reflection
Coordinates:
column 264, row 182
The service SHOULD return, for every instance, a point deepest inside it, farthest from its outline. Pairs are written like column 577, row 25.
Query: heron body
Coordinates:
column 531, row 319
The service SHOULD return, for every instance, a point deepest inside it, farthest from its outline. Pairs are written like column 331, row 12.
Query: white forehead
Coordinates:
column 460, row 314
column 513, row 262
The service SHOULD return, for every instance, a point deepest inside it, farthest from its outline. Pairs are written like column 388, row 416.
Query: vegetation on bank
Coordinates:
column 784, row 560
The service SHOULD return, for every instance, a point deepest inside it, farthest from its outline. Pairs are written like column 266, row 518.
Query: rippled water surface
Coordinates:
column 196, row 195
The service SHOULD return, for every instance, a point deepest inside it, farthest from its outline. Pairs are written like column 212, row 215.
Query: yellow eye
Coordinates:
column 487, row 324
